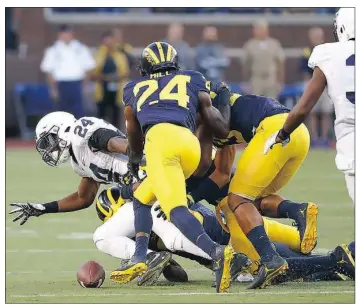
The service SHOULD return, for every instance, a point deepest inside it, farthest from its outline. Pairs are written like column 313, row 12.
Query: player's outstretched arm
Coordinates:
column 300, row 111
column 81, row 199
column 212, row 117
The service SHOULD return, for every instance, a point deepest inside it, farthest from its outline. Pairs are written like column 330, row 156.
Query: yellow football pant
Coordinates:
column 258, row 175
column 172, row 155
column 277, row 232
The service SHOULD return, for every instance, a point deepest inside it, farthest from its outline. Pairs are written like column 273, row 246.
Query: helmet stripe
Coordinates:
column 103, row 211
column 153, row 55
column 169, row 51
column 110, row 197
column 161, row 52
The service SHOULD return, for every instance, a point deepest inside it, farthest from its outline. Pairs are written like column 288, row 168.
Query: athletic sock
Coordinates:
column 289, row 209
column 192, row 229
column 261, row 243
column 143, row 224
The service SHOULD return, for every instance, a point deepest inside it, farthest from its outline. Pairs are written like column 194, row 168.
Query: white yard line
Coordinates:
column 175, row 294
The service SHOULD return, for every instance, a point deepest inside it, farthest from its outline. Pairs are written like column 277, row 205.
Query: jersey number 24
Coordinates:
column 166, row 93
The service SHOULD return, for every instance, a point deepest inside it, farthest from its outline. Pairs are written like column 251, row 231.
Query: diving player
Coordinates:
column 89, row 144
column 333, row 65
column 162, row 105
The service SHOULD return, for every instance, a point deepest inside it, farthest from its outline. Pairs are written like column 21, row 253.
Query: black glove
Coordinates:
column 27, row 210
column 161, row 213
column 134, row 169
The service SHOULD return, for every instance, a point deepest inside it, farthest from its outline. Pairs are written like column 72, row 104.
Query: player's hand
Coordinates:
column 161, row 214
column 26, row 210
column 134, row 169
column 278, row 137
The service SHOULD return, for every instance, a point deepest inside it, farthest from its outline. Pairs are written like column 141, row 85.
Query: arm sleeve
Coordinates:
column 99, row 139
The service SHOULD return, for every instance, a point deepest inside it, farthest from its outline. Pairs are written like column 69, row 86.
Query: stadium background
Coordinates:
column 43, row 256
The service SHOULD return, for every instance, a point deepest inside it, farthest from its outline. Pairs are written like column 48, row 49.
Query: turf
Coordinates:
column 43, row 255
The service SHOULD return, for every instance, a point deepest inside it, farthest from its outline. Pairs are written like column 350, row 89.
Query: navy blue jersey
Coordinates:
column 170, row 97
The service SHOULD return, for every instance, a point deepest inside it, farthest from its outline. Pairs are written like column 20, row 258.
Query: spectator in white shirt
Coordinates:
column 67, row 63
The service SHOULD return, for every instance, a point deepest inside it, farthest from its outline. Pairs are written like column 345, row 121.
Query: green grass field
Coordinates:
column 42, row 256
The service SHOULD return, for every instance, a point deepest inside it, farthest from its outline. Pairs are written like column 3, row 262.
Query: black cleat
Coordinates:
column 173, row 272
column 239, row 263
column 268, row 271
column 222, row 267
column 156, row 262
column 306, row 224
column 345, row 262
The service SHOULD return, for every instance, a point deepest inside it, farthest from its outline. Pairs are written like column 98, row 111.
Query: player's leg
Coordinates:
column 276, row 232
column 339, row 260
column 116, row 240
column 350, row 182
column 173, row 239
column 254, row 172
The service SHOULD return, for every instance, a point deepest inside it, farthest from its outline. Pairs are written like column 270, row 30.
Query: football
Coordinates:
column 91, row 275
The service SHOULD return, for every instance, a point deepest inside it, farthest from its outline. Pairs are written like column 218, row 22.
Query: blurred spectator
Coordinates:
column 11, row 37
column 263, row 63
column 111, row 73
column 175, row 34
column 324, row 107
column 210, row 58
column 123, row 46
column 67, row 63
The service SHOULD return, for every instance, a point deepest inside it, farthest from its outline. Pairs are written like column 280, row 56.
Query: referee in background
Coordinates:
column 67, row 64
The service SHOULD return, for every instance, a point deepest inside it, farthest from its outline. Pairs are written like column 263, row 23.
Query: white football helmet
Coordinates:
column 344, row 25
column 52, row 137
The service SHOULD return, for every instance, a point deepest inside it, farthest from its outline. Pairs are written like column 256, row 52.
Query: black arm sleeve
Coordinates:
column 99, row 139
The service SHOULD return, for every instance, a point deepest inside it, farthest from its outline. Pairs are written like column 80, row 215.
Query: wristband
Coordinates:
column 283, row 134
column 51, row 207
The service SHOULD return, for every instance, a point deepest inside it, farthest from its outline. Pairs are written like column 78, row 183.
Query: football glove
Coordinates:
column 278, row 137
column 26, row 210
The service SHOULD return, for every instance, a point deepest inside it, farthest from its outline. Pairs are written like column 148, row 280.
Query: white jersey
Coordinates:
column 337, row 61
column 100, row 166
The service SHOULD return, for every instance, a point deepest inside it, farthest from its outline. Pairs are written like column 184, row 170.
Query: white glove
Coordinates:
column 273, row 140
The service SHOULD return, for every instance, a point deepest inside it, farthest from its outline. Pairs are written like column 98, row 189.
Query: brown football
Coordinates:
column 91, row 275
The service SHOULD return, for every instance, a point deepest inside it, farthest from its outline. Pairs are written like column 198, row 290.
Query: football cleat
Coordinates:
column 239, row 263
column 173, row 272
column 306, row 224
column 345, row 262
column 268, row 271
column 128, row 272
column 222, row 267
column 156, row 262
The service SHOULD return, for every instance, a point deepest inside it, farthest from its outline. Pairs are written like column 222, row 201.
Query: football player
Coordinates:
column 214, row 186
column 258, row 177
column 92, row 146
column 161, row 107
column 334, row 67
